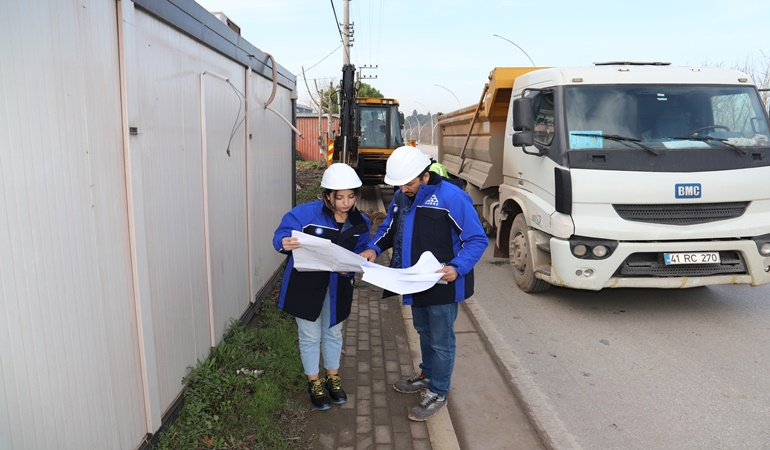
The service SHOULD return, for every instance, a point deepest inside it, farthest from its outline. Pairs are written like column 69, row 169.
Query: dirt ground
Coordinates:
column 308, row 178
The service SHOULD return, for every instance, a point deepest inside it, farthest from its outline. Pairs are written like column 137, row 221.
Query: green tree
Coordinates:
column 330, row 93
column 365, row 90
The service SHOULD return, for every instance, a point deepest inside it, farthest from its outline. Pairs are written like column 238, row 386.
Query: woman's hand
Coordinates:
column 290, row 243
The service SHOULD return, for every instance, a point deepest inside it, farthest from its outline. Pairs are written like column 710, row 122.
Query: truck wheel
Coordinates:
column 520, row 255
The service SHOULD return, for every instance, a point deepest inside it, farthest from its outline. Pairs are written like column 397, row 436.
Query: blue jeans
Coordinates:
column 436, row 326
column 316, row 337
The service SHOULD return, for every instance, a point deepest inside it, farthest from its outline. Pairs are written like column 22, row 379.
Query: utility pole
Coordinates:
column 347, row 94
column 347, row 32
column 330, row 112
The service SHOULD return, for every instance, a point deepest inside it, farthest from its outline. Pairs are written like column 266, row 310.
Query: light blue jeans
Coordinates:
column 316, row 337
column 436, row 326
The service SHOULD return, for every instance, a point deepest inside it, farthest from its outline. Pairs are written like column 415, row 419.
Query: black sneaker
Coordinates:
column 334, row 386
column 430, row 403
column 317, row 394
column 413, row 384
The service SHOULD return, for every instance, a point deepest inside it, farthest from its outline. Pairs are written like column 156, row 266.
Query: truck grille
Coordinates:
column 681, row 214
column 653, row 265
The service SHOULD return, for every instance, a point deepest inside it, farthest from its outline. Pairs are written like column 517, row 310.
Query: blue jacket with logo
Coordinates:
column 303, row 293
column 442, row 220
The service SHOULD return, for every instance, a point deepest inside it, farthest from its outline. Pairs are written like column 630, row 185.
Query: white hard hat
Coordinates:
column 404, row 164
column 340, row 176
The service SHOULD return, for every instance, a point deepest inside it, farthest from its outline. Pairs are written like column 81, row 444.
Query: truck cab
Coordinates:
column 625, row 175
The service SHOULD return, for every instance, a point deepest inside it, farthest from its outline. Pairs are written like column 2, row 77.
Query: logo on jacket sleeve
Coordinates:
column 432, row 201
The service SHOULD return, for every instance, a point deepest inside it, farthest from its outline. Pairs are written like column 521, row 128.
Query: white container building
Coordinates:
column 141, row 179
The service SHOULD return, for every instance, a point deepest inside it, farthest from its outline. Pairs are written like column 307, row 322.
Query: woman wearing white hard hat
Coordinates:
column 430, row 214
column 321, row 301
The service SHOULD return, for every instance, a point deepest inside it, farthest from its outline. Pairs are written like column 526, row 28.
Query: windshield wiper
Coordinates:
column 712, row 139
column 621, row 139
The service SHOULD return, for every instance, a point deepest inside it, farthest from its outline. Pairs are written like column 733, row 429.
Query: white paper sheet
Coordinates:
column 418, row 278
column 318, row 254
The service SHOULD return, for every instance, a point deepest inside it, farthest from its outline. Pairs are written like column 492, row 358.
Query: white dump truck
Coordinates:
column 619, row 174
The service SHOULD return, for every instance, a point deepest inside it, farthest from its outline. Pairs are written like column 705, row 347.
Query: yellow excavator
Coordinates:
column 370, row 129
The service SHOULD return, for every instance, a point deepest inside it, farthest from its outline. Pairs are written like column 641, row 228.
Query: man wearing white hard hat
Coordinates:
column 321, row 301
column 429, row 213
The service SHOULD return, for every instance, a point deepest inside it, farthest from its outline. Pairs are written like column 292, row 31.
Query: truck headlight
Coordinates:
column 588, row 248
column 600, row 251
column 763, row 244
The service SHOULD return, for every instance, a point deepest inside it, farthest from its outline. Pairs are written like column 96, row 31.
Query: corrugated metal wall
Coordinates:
column 308, row 147
column 125, row 255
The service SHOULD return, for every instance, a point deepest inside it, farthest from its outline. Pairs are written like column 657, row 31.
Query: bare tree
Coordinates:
column 759, row 71
column 324, row 108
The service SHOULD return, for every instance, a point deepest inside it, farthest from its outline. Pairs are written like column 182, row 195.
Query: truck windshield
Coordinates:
column 664, row 117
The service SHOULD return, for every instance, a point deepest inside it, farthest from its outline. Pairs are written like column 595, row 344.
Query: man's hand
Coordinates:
column 369, row 254
column 450, row 274
column 290, row 243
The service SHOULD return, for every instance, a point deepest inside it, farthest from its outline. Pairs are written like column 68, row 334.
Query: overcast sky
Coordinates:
column 428, row 52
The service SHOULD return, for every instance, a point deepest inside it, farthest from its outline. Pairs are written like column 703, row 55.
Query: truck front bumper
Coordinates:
column 640, row 265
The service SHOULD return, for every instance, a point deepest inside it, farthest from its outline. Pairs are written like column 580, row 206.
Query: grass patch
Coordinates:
column 225, row 408
column 308, row 178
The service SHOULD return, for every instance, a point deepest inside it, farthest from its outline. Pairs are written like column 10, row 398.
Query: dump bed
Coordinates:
column 478, row 156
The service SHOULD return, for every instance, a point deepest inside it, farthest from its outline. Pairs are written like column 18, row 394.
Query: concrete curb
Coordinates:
column 440, row 428
column 546, row 422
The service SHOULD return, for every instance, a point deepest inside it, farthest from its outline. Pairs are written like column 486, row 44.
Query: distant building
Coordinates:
column 313, row 146
column 303, row 109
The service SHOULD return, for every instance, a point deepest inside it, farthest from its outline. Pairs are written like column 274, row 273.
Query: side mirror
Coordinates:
column 523, row 139
column 524, row 123
column 523, row 119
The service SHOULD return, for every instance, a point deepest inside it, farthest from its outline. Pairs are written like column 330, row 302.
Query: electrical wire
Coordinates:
column 339, row 30
column 241, row 102
column 324, row 58
column 237, row 124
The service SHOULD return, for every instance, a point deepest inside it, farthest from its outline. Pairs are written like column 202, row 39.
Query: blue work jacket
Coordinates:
column 303, row 293
column 442, row 220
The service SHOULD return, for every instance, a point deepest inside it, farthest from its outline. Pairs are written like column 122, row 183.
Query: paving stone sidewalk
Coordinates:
column 376, row 355
column 380, row 347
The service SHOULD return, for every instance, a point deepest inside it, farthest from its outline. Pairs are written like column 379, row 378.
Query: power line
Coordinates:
column 339, row 30
column 322, row 60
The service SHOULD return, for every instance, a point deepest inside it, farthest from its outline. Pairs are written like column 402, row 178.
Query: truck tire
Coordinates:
column 520, row 256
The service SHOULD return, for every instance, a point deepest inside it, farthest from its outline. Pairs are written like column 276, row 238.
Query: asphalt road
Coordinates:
column 635, row 368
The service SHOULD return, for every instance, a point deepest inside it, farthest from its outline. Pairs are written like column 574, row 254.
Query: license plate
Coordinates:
column 692, row 258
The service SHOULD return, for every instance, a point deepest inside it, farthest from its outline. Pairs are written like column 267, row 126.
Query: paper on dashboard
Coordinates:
column 420, row 277
column 318, row 254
